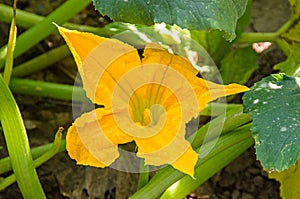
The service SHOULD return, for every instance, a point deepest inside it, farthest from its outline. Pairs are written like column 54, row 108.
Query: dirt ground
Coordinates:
column 61, row 178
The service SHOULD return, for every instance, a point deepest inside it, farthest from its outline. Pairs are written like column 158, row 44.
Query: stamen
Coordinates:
column 147, row 117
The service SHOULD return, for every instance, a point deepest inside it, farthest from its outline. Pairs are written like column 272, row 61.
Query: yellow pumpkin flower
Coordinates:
column 147, row 100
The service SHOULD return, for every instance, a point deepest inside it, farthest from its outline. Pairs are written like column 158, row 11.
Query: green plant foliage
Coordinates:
column 214, row 42
column 290, row 42
column 290, row 66
column 274, row 104
column 295, row 5
column 193, row 15
column 32, row 36
column 230, row 144
column 187, row 184
column 245, row 19
column 18, row 146
column 289, row 181
column 236, row 67
column 293, row 33
column 176, row 40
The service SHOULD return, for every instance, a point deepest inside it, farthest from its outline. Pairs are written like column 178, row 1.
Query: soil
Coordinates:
column 62, row 178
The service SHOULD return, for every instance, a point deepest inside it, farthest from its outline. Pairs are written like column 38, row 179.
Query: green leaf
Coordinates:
column 293, row 33
column 245, row 19
column 238, row 65
column 290, row 41
column 174, row 39
column 295, row 6
column 294, row 50
column 289, row 181
column 190, row 14
column 18, row 145
column 10, row 47
column 274, row 104
column 290, row 66
column 213, row 42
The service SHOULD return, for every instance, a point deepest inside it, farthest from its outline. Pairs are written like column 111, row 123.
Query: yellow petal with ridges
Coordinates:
column 79, row 152
column 177, row 153
column 81, row 44
column 208, row 91
column 154, row 53
column 93, row 139
column 100, row 61
column 186, row 162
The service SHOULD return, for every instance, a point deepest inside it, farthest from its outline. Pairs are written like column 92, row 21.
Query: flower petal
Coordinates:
column 178, row 153
column 81, row 44
column 154, row 53
column 208, row 91
column 79, row 152
column 186, row 162
column 167, row 127
column 94, row 137
column 168, row 146
column 101, row 62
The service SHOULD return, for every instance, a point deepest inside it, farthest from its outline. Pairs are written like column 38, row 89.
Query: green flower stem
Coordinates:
column 41, row 62
column 40, row 160
column 219, row 159
column 144, row 174
column 17, row 145
column 27, row 19
column 266, row 37
column 220, row 125
column 46, row 89
column 52, row 151
column 10, row 47
column 284, row 46
column 215, row 109
column 24, row 19
column 7, row 181
column 282, row 43
column 252, row 37
column 41, row 30
column 287, row 25
column 5, row 164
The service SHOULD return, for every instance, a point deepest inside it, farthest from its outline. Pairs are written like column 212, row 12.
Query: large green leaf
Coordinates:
column 238, row 65
column 274, row 104
column 191, row 14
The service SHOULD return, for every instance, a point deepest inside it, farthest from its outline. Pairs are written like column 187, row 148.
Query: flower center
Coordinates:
column 146, row 104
